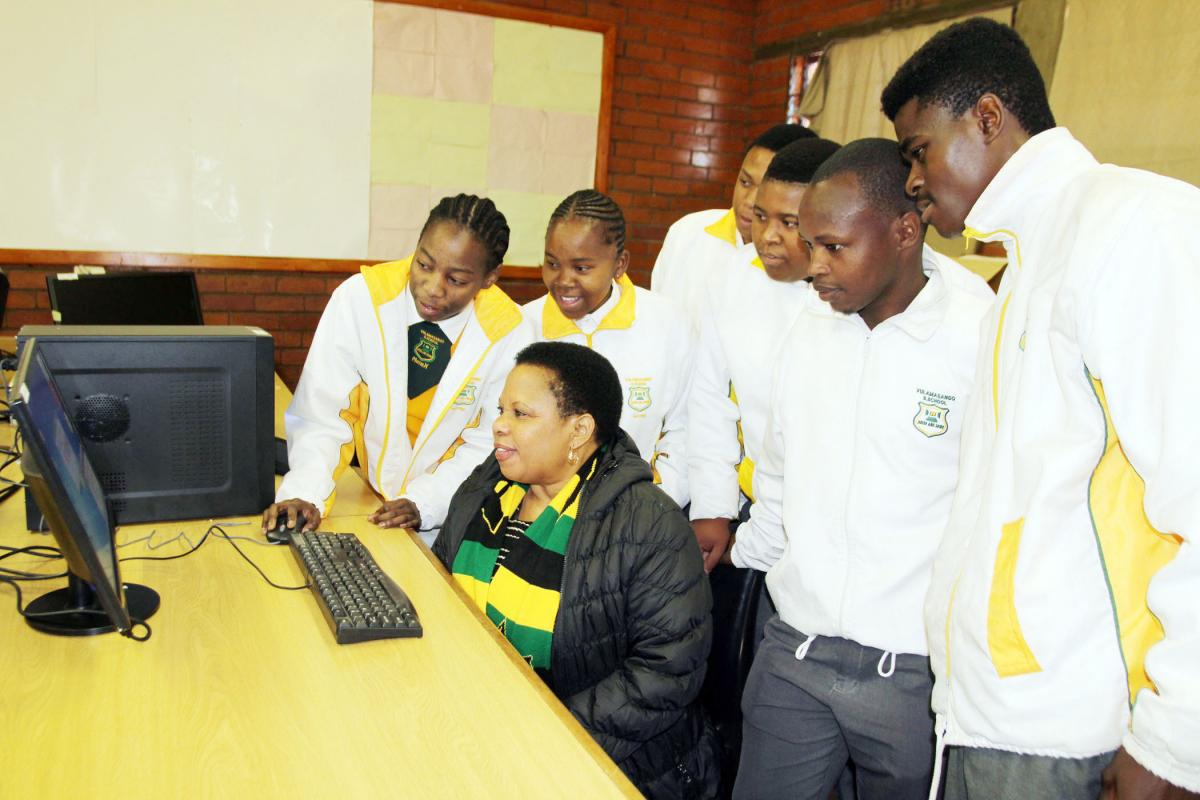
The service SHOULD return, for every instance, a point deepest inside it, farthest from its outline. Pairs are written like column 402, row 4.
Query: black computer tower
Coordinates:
column 178, row 421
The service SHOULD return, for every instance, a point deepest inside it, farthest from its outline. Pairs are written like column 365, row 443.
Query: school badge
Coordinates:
column 426, row 350
column 466, row 397
column 639, row 397
column 931, row 419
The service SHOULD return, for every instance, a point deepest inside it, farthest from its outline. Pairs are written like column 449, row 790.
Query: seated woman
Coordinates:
column 404, row 370
column 591, row 301
column 589, row 569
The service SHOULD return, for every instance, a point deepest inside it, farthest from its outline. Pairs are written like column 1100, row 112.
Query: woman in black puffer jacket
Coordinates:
column 628, row 642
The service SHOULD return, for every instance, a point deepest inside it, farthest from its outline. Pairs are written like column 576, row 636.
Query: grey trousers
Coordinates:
column 976, row 773
column 805, row 719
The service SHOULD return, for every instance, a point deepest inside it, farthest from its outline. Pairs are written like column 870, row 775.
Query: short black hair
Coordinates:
column 479, row 216
column 797, row 162
column 965, row 61
column 584, row 383
column 881, row 172
column 596, row 206
column 777, row 137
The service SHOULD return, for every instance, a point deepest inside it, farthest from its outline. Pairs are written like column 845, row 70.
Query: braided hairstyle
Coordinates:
column 597, row 207
column 478, row 215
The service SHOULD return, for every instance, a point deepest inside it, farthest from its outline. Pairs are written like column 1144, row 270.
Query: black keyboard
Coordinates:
column 358, row 599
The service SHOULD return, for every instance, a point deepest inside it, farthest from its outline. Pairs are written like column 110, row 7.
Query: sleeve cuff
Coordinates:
column 1161, row 764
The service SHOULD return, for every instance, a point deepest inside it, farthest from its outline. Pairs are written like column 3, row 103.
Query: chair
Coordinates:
column 736, row 593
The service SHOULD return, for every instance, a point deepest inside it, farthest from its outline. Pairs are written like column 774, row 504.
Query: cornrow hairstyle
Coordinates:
column 777, row 137
column 880, row 170
column 584, row 382
column 965, row 61
column 478, row 215
column 596, row 206
column 797, row 162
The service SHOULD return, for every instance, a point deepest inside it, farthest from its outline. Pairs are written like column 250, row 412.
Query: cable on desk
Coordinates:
column 215, row 530
column 128, row 634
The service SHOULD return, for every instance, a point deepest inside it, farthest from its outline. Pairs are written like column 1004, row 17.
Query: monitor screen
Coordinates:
column 59, row 473
column 127, row 298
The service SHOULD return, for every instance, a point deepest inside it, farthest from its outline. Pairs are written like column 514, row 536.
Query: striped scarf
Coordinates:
column 521, row 594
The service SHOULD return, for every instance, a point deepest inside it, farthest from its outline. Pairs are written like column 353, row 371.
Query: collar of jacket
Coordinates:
column 496, row 312
column 924, row 314
column 555, row 324
column 1017, row 197
column 725, row 229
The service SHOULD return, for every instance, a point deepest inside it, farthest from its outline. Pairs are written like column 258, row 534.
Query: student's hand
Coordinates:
column 713, row 537
column 401, row 513
column 294, row 510
column 1126, row 779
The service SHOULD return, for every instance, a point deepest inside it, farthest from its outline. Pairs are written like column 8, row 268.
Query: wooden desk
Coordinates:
column 243, row 693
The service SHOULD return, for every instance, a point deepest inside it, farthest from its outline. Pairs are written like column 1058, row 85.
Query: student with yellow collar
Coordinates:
column 592, row 302
column 748, row 310
column 698, row 247
column 858, row 469
column 404, row 369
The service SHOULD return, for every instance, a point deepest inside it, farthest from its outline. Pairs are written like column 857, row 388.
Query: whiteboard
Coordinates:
column 186, row 126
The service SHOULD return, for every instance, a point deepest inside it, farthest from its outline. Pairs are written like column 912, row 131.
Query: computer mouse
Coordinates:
column 282, row 532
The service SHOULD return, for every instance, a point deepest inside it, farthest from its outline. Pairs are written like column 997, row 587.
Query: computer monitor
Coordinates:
column 179, row 422
column 59, row 474
column 125, row 298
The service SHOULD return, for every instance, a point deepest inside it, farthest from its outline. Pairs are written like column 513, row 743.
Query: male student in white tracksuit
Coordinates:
column 698, row 247
column 748, row 311
column 1064, row 610
column 405, row 370
column 858, row 468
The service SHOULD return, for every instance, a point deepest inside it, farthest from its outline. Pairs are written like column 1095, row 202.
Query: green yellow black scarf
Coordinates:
column 521, row 595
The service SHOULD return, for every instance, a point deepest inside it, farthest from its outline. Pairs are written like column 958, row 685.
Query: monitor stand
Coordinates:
column 77, row 612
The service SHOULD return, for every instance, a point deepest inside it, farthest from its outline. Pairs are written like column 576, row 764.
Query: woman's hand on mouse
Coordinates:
column 297, row 512
column 399, row 513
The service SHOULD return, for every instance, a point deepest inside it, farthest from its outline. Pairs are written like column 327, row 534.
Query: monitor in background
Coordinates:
column 125, row 298
column 60, row 476
column 178, row 422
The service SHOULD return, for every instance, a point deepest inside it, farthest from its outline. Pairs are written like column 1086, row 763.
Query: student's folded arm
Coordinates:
column 316, row 429
column 712, row 444
column 669, row 619
column 1138, row 338
column 760, row 541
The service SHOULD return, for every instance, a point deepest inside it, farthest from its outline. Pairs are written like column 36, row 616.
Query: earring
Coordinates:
column 571, row 457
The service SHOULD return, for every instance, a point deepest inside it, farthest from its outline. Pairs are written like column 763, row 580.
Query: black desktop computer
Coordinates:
column 125, row 298
column 59, row 474
column 178, row 421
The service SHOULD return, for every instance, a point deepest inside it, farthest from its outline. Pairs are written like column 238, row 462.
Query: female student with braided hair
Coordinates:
column 404, row 370
column 592, row 302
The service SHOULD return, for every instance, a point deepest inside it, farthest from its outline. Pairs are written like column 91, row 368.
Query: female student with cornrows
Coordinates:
column 591, row 301
column 404, row 370
column 589, row 570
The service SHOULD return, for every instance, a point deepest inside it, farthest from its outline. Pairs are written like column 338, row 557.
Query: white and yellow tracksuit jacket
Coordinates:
column 1072, row 544
column 696, row 252
column 645, row 337
column 352, row 395
column 860, row 460
column 745, row 320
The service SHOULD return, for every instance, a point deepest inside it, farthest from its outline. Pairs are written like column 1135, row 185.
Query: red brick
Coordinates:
column 670, row 186
column 279, row 302
column 664, row 72
column 291, row 356
column 688, row 172
column 297, row 284
column 632, row 150
column 208, row 282
column 22, row 298
column 641, row 52
column 697, row 77
column 216, row 317
column 651, row 136
column 298, row 322
column 289, row 339
column 28, row 278
column 692, row 142
column 22, row 316
column 673, row 154
column 315, row 302
column 695, row 110
column 633, row 183
column 655, row 167
column 637, row 119
column 638, row 85
column 251, row 283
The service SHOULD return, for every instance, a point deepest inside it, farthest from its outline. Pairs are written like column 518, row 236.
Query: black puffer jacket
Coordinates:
column 634, row 623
